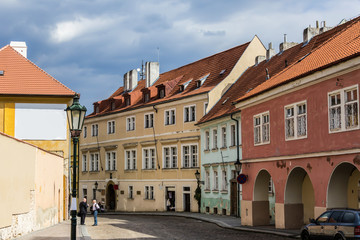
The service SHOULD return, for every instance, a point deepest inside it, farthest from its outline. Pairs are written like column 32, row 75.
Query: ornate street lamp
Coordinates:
column 238, row 166
column 75, row 116
column 197, row 195
column 238, row 170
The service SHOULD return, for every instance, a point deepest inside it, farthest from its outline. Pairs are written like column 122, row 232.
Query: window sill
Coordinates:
column 223, row 148
column 260, row 144
column 147, row 199
column 207, row 190
column 206, row 150
column 190, row 168
column 214, row 149
column 224, row 191
column 95, row 171
column 113, row 170
column 233, row 146
column 148, row 169
column 215, row 191
column 174, row 168
column 130, row 170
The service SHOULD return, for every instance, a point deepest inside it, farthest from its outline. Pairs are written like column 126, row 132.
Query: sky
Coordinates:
column 89, row 45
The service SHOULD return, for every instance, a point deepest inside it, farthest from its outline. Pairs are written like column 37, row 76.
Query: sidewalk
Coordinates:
column 228, row 222
column 59, row 231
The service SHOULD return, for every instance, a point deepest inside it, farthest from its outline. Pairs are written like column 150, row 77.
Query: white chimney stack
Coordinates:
column 19, row 47
column 151, row 72
column 130, row 80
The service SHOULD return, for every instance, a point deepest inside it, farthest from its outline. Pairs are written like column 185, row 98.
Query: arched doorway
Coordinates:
column 343, row 187
column 110, row 197
column 299, row 199
column 263, row 200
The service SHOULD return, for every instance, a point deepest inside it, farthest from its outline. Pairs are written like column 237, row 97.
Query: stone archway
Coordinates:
column 110, row 197
column 299, row 199
column 343, row 187
column 261, row 199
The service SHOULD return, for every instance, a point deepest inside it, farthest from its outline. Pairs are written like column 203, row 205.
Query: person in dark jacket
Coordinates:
column 83, row 210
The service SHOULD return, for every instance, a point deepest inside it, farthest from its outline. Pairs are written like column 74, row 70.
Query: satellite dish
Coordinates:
column 138, row 69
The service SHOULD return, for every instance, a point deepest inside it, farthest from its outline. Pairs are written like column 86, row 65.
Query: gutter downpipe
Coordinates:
column 237, row 159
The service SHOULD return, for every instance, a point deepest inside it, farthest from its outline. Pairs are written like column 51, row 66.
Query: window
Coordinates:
column 223, row 137
column 149, row 192
column 295, row 121
column 85, row 131
column 224, row 180
column 146, row 97
column 94, row 130
column 323, row 217
column 130, row 123
column 170, row 157
column 84, row 163
column 111, row 127
column 113, row 106
column 131, row 192
column 149, row 158
column 216, row 181
column 149, row 120
column 170, row 117
column 262, row 128
column 189, row 114
column 205, row 107
column 110, row 161
column 130, row 159
column 127, row 101
column 190, row 156
column 214, row 145
column 348, row 217
column 343, row 109
column 162, row 93
column 232, row 135
column 94, row 164
column 207, row 140
column 84, row 192
column 207, row 180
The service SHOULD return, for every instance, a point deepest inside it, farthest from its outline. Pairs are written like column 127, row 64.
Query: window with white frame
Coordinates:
column 207, row 140
column 149, row 192
column 214, row 137
column 224, row 180
column 295, row 121
column 262, row 128
column 131, row 192
column 189, row 113
column 148, row 158
column 94, row 130
column 216, row 180
column 343, row 109
column 85, row 131
column 232, row 135
column 94, row 162
column 111, row 127
column 130, row 123
column 223, row 137
column 170, row 157
column 207, row 180
column 189, row 156
column 149, row 120
column 84, row 163
column 110, row 161
column 130, row 159
column 170, row 117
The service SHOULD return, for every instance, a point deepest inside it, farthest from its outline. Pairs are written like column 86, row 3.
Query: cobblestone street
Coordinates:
column 163, row 227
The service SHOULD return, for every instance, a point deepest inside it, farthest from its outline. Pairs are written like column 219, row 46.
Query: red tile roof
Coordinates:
column 332, row 47
column 324, row 49
column 23, row 77
column 173, row 79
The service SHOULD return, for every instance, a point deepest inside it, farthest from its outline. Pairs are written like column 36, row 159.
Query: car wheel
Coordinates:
column 305, row 235
column 339, row 237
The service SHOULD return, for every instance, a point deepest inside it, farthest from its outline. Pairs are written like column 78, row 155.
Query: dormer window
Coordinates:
column 161, row 91
column 198, row 83
column 112, row 106
column 127, row 101
column 97, row 110
column 146, row 95
column 201, row 81
column 181, row 88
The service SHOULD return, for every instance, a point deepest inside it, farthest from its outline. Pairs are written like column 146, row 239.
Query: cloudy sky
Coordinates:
column 89, row 44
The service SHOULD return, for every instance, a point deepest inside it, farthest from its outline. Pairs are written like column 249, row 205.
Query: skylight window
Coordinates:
column 186, row 84
column 222, row 72
column 202, row 80
column 1, row 72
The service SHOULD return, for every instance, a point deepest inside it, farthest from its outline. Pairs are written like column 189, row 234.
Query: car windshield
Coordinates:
column 324, row 217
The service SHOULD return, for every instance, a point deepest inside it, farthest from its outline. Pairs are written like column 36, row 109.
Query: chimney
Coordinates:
column 20, row 47
column 270, row 52
column 310, row 32
column 286, row 45
column 324, row 28
column 130, row 80
column 151, row 72
column 259, row 59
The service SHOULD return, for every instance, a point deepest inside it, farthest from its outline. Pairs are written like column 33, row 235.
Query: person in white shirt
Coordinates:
column 95, row 208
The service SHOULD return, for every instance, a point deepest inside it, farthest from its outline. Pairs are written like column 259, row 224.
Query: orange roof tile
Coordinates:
column 338, row 44
column 173, row 79
column 23, row 77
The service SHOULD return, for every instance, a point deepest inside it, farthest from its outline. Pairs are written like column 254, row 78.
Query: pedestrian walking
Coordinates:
column 83, row 211
column 95, row 208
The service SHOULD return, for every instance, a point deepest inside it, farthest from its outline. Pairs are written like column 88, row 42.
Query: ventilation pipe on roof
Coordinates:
column 286, row 45
column 270, row 52
column 267, row 73
column 130, row 80
column 20, row 47
column 259, row 59
column 323, row 27
column 310, row 32
column 151, row 72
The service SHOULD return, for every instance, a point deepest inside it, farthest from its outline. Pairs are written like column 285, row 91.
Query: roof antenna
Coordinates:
column 142, row 70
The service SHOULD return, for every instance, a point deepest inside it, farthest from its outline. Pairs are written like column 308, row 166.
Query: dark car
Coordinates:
column 334, row 224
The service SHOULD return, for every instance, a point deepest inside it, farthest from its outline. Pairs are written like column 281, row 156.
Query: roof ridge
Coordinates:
column 51, row 77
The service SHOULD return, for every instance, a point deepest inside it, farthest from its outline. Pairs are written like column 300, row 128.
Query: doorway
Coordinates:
column 170, row 199
column 186, row 202
column 110, row 197
column 233, row 197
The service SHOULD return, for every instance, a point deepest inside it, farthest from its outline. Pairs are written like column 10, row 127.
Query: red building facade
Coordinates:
column 300, row 131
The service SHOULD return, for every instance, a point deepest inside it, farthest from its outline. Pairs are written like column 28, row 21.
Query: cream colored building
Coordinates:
column 141, row 145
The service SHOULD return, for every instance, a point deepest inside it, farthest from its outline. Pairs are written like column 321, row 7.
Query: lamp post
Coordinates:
column 238, row 170
column 198, row 190
column 75, row 116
